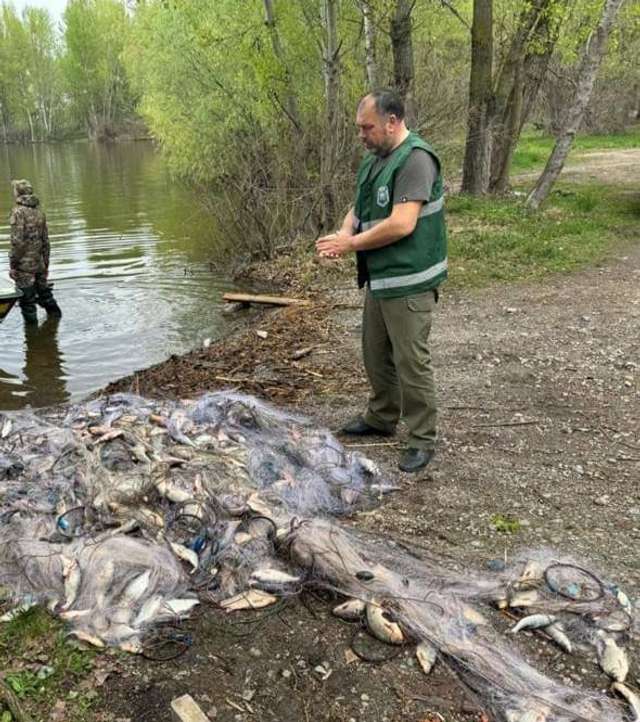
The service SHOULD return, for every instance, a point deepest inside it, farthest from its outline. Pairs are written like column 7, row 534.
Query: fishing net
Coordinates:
column 124, row 513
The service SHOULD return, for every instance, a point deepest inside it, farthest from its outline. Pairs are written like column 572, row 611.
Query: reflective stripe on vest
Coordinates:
column 412, row 279
column 428, row 209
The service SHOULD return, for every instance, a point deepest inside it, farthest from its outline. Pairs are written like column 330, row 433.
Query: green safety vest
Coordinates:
column 417, row 262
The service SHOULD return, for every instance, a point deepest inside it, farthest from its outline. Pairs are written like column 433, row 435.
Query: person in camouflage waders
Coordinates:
column 29, row 254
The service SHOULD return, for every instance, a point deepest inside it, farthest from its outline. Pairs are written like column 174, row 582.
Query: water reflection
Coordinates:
column 43, row 381
column 130, row 257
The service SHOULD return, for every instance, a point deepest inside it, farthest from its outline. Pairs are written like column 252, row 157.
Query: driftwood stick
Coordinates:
column 269, row 300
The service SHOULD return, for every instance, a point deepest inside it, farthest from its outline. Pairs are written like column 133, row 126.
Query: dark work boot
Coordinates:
column 413, row 460
column 47, row 301
column 28, row 305
column 359, row 427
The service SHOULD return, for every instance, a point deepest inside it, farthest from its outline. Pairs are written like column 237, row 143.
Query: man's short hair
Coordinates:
column 388, row 102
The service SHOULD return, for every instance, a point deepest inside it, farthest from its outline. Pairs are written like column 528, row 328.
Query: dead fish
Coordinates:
column 632, row 699
column 242, row 537
column 533, row 621
column 172, row 492
column 133, row 646
column 179, row 607
column 108, row 435
column 255, row 503
column 612, row 658
column 135, row 589
column 253, row 599
column 272, row 579
column 17, row 611
column 186, row 554
column 349, row 496
column 73, row 577
column 532, row 574
column 85, row 636
column 528, row 715
column 524, row 599
column 556, row 632
column 75, row 613
column 7, row 425
column 148, row 610
column 426, row 655
column 351, row 610
column 473, row 616
column 102, row 582
column 623, row 600
column 381, row 627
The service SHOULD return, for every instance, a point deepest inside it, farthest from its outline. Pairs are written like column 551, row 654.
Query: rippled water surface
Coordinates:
column 131, row 261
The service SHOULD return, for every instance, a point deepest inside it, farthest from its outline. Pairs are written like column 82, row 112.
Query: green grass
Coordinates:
column 60, row 667
column 505, row 524
column 534, row 147
column 497, row 239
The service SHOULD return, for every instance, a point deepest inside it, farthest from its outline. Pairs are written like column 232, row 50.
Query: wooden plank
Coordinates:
column 186, row 709
column 271, row 300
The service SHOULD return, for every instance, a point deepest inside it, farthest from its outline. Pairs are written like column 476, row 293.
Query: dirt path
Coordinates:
column 540, row 421
column 606, row 166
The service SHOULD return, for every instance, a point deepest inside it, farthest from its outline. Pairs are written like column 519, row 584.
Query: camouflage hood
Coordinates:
column 28, row 200
column 23, row 193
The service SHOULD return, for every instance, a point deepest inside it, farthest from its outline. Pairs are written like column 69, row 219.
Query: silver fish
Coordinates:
column 252, row 599
column 612, row 658
column 73, row 577
column 87, row 637
column 351, row 610
column 381, row 627
column 426, row 655
column 556, row 632
column 186, row 554
column 148, row 610
column 269, row 579
column 17, row 611
column 5, row 430
column 533, row 621
column 633, row 700
column 524, row 599
column 179, row 607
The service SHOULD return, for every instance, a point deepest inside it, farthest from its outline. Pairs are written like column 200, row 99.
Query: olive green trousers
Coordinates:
column 397, row 360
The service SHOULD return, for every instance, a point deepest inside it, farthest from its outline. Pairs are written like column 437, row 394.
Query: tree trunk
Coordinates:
column 402, row 47
column 594, row 51
column 331, row 70
column 477, row 158
column 369, row 43
column 290, row 103
column 520, row 80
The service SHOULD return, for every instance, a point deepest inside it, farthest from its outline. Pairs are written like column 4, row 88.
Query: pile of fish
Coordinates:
column 124, row 513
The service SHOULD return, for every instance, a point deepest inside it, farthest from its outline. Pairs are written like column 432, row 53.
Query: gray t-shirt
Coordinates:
column 415, row 179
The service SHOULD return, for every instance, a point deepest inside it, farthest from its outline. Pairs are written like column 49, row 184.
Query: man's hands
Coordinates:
column 334, row 245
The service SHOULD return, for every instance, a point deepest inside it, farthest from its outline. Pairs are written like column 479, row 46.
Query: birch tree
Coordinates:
column 369, row 28
column 594, row 51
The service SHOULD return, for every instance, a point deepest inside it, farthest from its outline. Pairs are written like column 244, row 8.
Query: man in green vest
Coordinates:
column 397, row 229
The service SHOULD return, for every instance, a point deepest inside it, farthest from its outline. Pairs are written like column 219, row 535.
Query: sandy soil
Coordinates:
column 540, row 421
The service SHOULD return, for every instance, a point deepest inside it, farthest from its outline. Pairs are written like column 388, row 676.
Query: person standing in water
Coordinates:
column 29, row 254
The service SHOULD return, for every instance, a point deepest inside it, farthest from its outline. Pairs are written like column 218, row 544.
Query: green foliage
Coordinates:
column 30, row 81
column 95, row 36
column 505, row 524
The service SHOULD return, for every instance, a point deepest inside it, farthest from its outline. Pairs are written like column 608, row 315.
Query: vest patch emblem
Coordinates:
column 383, row 196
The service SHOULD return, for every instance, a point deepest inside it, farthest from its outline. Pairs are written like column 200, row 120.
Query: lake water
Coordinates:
column 132, row 262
